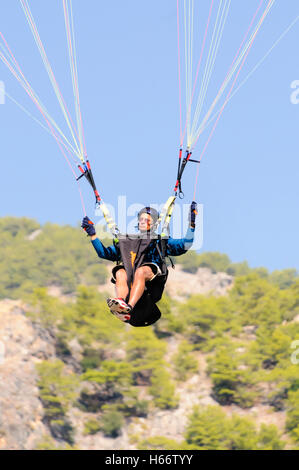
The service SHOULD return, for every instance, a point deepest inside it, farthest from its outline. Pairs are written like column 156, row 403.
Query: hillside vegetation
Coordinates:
column 240, row 343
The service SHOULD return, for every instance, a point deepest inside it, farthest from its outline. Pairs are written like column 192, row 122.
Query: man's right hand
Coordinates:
column 88, row 226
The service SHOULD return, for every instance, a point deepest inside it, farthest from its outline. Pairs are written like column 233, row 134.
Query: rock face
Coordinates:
column 181, row 284
column 23, row 344
column 21, row 411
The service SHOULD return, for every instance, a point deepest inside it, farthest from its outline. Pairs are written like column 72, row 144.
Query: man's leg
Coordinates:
column 117, row 305
column 142, row 274
column 121, row 284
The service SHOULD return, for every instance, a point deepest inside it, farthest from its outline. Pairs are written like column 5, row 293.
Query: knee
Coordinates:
column 121, row 275
column 144, row 272
column 140, row 272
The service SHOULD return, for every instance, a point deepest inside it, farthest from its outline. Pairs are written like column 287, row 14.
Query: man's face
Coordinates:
column 145, row 222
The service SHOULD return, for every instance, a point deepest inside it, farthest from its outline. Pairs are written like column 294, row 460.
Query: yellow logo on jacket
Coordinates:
column 133, row 257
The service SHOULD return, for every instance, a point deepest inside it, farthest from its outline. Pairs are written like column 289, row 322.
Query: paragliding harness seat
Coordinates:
column 132, row 249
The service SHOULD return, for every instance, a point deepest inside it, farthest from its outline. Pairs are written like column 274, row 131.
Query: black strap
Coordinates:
column 181, row 167
column 86, row 171
column 116, row 244
column 162, row 252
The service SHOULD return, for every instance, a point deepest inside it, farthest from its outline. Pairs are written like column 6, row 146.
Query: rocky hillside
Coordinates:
column 21, row 411
column 27, row 343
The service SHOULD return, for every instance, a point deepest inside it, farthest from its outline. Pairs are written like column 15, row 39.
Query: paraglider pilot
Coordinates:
column 141, row 272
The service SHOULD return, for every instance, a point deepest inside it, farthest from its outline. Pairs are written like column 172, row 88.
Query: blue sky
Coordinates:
column 127, row 61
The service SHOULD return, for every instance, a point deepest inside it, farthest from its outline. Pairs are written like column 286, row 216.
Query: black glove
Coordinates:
column 193, row 214
column 88, row 226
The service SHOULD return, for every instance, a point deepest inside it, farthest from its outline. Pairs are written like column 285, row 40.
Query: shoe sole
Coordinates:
column 115, row 310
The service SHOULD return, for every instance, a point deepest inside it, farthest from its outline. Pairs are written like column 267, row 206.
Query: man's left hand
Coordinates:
column 193, row 213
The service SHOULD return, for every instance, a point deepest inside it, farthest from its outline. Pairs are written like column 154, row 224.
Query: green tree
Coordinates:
column 217, row 262
column 113, row 374
column 271, row 347
column 95, row 274
column 145, row 354
column 170, row 321
column 269, row 438
column 206, row 317
column 92, row 426
column 58, row 391
column 47, row 443
column 231, row 382
column 207, row 429
column 163, row 389
column 282, row 380
column 185, row 363
column 112, row 422
column 89, row 320
column 161, row 443
column 238, row 269
column 45, row 309
column 35, row 256
column 92, row 358
column 292, row 423
column 256, row 300
column 189, row 262
column 241, row 434
column 284, row 279
column 210, row 429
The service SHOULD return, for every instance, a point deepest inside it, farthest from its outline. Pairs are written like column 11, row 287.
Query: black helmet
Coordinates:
column 151, row 211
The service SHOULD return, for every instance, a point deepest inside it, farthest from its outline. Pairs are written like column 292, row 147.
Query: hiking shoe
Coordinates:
column 120, row 309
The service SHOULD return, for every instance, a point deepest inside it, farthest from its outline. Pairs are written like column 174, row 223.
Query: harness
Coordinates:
column 133, row 249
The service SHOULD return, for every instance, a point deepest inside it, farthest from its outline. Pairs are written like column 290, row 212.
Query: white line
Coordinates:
column 255, row 68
